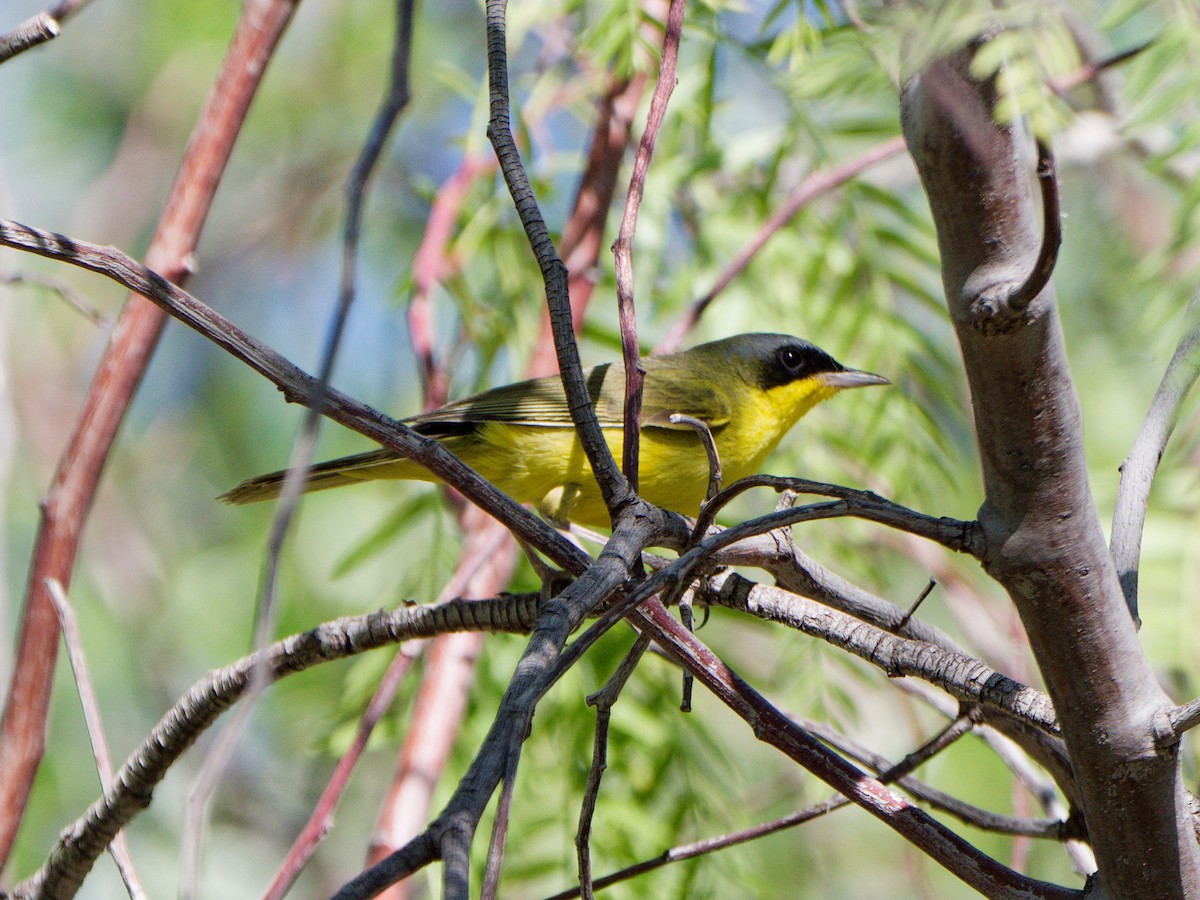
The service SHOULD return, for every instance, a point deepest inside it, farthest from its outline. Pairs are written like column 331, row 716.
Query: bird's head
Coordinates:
column 792, row 374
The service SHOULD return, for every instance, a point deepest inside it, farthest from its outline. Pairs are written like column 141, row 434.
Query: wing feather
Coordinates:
column 541, row 402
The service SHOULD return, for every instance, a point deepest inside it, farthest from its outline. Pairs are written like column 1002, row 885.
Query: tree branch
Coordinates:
column 297, row 385
column 38, row 29
column 770, row 725
column 613, row 487
column 1043, row 538
column 131, row 789
column 967, row 679
column 69, row 498
column 1140, row 466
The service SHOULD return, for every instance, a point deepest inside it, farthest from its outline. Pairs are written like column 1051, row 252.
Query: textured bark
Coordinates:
column 1044, row 542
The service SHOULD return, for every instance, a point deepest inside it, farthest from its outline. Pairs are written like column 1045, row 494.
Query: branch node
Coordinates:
column 1003, row 307
column 1166, row 738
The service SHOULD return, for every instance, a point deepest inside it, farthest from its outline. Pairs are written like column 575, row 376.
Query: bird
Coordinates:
column 748, row 390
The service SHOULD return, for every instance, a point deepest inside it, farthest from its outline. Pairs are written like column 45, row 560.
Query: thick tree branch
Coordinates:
column 967, row 679
column 795, row 571
column 1043, row 539
column 536, row 672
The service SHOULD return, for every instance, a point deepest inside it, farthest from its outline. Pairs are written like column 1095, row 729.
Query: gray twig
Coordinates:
column 1140, row 466
column 603, row 700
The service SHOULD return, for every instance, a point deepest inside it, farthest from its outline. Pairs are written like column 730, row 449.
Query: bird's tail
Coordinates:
column 335, row 473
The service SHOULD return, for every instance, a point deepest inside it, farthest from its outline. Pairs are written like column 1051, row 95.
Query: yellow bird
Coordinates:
column 749, row 390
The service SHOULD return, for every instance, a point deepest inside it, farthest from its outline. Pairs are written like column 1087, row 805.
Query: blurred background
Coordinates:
column 96, row 122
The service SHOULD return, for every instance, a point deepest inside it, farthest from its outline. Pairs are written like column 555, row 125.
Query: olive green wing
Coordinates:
column 672, row 386
column 540, row 402
column 681, row 385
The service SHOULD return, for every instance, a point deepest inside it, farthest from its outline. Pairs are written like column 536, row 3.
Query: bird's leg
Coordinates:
column 556, row 505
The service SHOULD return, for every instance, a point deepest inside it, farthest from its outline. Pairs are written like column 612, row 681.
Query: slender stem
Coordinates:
column 604, row 700
column 613, row 486
column 70, row 495
column 623, row 248
column 1140, row 466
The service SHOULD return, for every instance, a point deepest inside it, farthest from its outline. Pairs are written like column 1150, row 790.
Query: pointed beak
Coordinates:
column 852, row 378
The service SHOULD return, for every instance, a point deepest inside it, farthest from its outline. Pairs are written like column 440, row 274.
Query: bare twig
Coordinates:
column 45, row 26
column 1091, row 70
column 795, row 571
column 912, row 610
column 495, row 857
column 1185, row 717
column 95, row 728
column 955, row 534
column 935, row 840
column 822, row 182
column 486, row 563
column 623, row 247
column 710, row 450
column 69, row 498
column 356, row 193
column 1049, row 828
column 216, row 762
column 69, row 295
column 297, row 385
column 319, row 821
column 888, row 773
column 815, row 185
column 603, row 700
column 583, row 234
column 686, row 616
column 1043, row 266
column 80, row 843
column 1140, row 466
column 1028, row 774
column 613, row 486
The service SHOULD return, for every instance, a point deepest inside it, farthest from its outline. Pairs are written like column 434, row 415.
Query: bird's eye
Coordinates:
column 791, row 357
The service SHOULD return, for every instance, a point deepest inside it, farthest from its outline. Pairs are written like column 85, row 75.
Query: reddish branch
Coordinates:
column 815, row 185
column 69, row 498
column 432, row 264
column 623, row 248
